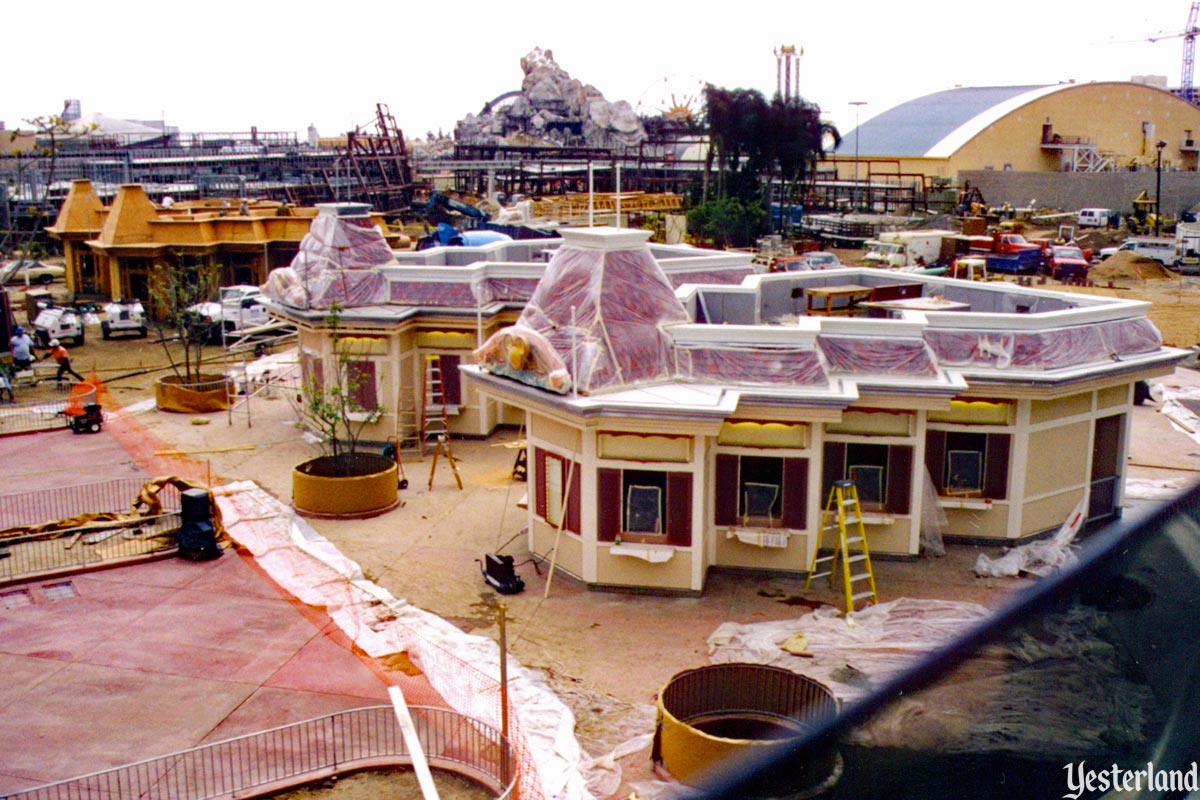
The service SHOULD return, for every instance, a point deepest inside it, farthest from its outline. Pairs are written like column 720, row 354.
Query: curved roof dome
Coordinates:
column 936, row 125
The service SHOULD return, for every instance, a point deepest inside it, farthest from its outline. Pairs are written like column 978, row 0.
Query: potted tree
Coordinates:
column 342, row 481
column 177, row 290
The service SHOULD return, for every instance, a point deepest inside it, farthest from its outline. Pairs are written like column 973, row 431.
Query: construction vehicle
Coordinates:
column 123, row 317
column 895, row 249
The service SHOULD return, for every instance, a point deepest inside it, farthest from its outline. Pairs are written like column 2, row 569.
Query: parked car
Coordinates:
column 1162, row 250
column 31, row 272
column 805, row 261
column 1066, row 263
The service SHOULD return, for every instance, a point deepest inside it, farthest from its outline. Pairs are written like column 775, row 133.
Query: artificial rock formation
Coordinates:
column 553, row 107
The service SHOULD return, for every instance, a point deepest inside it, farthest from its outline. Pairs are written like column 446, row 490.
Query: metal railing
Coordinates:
column 292, row 755
column 91, row 543
column 40, row 408
column 41, row 555
column 64, row 502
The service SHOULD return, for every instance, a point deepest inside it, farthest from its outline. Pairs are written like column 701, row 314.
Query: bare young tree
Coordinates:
column 175, row 289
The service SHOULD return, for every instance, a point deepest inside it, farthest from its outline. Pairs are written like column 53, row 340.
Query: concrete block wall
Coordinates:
column 1075, row 190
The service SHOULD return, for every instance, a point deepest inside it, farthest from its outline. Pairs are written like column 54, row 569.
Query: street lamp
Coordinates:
column 858, row 104
column 1159, row 145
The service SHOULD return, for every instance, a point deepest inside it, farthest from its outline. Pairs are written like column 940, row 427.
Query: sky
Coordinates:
column 281, row 66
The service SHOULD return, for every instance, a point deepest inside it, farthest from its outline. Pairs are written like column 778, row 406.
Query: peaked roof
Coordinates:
column 599, row 308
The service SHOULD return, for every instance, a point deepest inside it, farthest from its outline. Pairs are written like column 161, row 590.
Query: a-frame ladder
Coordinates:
column 434, row 424
column 843, row 498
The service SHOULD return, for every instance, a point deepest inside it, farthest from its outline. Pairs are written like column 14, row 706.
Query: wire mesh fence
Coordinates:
column 295, row 754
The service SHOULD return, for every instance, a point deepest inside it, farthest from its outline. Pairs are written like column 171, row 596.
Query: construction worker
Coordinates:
column 60, row 354
column 22, row 349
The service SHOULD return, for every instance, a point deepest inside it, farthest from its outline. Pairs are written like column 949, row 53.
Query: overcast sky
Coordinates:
column 224, row 66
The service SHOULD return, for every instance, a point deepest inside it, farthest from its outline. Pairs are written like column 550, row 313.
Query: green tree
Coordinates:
column 758, row 144
column 727, row 222
column 330, row 407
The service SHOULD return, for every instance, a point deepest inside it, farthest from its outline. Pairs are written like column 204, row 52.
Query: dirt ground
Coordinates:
column 440, row 534
column 372, row 784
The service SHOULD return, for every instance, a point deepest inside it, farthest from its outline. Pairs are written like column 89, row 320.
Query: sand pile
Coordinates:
column 1126, row 265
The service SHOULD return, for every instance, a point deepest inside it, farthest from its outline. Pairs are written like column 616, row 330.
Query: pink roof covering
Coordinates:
column 337, row 262
column 601, row 308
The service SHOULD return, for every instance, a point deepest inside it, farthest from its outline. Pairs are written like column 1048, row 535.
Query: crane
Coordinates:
column 1189, row 34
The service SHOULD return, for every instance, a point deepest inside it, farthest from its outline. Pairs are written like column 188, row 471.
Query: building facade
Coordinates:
column 683, row 412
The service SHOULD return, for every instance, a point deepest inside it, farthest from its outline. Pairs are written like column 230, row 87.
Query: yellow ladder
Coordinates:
column 433, row 404
column 843, row 496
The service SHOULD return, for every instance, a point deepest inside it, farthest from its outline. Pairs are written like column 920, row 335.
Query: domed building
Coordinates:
column 1067, row 127
column 1016, row 144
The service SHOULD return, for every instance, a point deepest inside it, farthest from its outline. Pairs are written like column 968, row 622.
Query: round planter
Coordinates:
column 350, row 486
column 210, row 393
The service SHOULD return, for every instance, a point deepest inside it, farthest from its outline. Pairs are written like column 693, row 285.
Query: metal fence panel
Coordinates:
column 295, row 754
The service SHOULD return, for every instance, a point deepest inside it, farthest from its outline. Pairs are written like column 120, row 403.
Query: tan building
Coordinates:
column 1069, row 127
column 110, row 250
column 683, row 412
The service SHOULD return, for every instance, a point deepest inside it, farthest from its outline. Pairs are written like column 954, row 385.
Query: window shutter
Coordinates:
column 795, row 493
column 540, row 484
column 608, row 504
column 574, row 498
column 833, row 468
column 935, row 458
column 679, row 508
column 725, row 495
column 899, row 478
column 451, row 380
column 995, row 471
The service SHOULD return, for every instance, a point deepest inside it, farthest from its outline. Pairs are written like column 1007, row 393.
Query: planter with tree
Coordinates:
column 175, row 289
column 342, row 482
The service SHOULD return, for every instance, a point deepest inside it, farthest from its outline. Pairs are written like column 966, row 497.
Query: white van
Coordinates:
column 1094, row 217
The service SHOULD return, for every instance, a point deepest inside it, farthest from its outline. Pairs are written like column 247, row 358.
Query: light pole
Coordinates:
column 1159, row 145
column 858, row 104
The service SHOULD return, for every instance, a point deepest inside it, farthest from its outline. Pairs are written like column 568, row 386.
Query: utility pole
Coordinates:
column 858, row 104
column 1159, row 145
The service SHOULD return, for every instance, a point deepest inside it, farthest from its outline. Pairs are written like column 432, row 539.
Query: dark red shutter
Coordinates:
column 539, row 459
column 608, row 504
column 833, row 468
column 935, row 458
column 795, row 493
column 574, row 498
column 725, row 495
column 899, row 479
column 679, row 508
column 995, row 471
column 451, row 380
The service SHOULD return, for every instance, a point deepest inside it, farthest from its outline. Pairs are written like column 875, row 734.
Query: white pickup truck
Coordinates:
column 239, row 308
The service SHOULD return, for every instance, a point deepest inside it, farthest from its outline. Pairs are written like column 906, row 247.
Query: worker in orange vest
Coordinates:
column 60, row 354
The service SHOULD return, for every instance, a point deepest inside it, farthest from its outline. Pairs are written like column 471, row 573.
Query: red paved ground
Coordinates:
column 144, row 660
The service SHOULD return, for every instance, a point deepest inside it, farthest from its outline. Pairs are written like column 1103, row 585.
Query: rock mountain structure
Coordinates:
column 552, row 107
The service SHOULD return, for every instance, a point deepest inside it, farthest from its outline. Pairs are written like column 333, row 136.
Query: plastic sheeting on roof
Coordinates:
column 1045, row 350
column 876, row 355
column 337, row 263
column 601, row 312
column 746, row 365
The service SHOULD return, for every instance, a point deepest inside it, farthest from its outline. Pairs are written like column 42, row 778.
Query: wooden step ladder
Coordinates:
column 434, row 424
column 843, row 497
